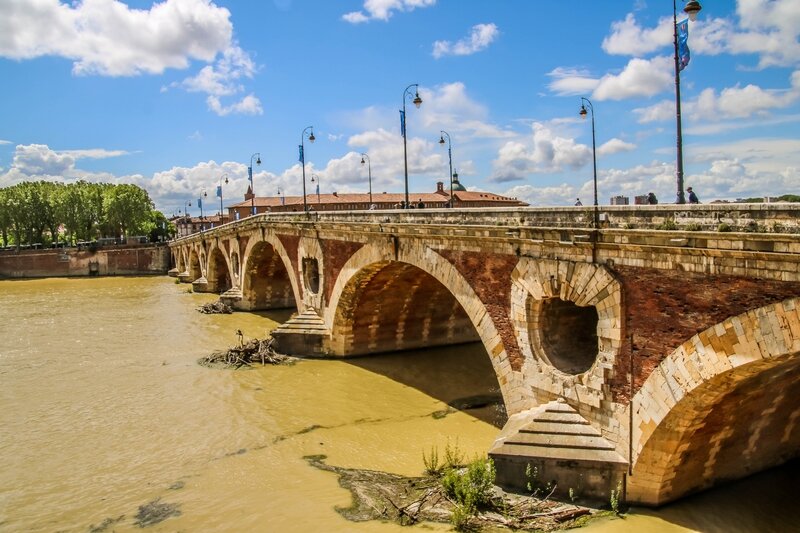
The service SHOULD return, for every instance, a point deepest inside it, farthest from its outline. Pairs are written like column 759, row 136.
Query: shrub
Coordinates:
column 724, row 228
column 668, row 225
column 692, row 227
column 470, row 488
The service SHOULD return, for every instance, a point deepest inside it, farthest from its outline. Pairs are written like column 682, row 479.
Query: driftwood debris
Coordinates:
column 254, row 351
column 215, row 308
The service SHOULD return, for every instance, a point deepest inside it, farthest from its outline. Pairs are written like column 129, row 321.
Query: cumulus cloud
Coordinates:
column 731, row 103
column 222, row 79
column 384, row 9
column 639, row 78
column 481, row 36
column 615, row 146
column 106, row 37
column 767, row 28
column 546, row 151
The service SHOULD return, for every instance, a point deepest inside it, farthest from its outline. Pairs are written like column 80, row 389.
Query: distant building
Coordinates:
column 639, row 200
column 361, row 201
column 188, row 225
column 620, row 200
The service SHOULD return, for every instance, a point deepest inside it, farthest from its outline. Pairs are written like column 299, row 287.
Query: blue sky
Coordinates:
column 174, row 95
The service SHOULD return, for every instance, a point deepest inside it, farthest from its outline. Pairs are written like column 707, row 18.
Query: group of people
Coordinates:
column 652, row 200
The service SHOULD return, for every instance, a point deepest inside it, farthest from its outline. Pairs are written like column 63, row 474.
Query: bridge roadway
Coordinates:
column 660, row 351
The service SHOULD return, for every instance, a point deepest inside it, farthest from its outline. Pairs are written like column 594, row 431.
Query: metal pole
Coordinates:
column 417, row 101
column 303, row 162
column 450, row 158
column 679, row 137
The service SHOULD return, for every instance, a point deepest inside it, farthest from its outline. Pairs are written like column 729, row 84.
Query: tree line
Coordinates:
column 47, row 213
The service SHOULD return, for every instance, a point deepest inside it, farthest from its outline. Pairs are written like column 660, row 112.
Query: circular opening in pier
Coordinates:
column 567, row 334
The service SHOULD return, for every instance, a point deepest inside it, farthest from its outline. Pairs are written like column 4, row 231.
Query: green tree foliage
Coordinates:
column 36, row 212
column 128, row 207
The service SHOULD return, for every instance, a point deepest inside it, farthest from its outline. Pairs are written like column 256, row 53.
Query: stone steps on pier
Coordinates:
column 304, row 334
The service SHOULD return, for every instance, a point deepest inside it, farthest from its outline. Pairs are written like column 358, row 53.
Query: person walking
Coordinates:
column 578, row 202
column 692, row 196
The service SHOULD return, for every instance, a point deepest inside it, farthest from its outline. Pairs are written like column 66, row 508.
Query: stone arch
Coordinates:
column 721, row 406
column 219, row 272
column 415, row 275
column 268, row 281
column 568, row 322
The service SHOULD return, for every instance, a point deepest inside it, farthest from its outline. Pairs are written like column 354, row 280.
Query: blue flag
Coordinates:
column 219, row 191
column 683, row 44
column 200, row 203
column 301, row 158
column 402, row 122
column 283, row 200
column 317, row 189
column 250, row 174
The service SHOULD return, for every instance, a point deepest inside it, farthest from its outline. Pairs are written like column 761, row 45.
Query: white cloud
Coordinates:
column 731, row 103
column 570, row 81
column 628, row 38
column 481, row 36
column 106, row 37
column 546, row 151
column 5, row 142
column 94, row 153
column 615, row 146
column 223, row 79
column 384, row 9
column 249, row 105
column 640, row 77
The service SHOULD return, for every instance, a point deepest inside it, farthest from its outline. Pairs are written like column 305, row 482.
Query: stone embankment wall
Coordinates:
column 113, row 261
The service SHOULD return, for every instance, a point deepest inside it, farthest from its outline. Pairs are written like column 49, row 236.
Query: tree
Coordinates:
column 127, row 207
column 5, row 215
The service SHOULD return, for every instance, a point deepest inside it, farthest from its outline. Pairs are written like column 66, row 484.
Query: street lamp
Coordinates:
column 315, row 179
column 417, row 101
column 450, row 157
column 583, row 114
column 308, row 132
column 200, row 205
column 219, row 193
column 187, row 204
column 257, row 155
column 369, row 170
column 692, row 8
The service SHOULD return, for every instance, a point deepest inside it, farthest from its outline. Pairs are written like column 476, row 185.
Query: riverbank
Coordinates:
column 119, row 260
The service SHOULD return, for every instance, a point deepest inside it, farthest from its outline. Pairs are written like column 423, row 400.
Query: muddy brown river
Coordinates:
column 104, row 410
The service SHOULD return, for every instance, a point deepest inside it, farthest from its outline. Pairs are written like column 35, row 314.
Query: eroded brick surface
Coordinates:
column 664, row 308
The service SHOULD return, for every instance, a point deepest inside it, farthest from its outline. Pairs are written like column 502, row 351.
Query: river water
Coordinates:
column 103, row 409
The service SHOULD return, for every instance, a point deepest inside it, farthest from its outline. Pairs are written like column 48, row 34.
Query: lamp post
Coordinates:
column 257, row 155
column 308, row 132
column 186, row 205
column 369, row 171
column 583, row 114
column 219, row 193
column 200, row 205
column 417, row 101
column 450, row 157
column 692, row 8
column 315, row 179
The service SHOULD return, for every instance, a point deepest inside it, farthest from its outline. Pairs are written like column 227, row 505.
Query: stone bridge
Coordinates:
column 659, row 351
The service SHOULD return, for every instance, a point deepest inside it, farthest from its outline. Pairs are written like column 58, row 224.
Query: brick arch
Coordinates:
column 218, row 273
column 267, row 281
column 720, row 407
column 389, row 298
